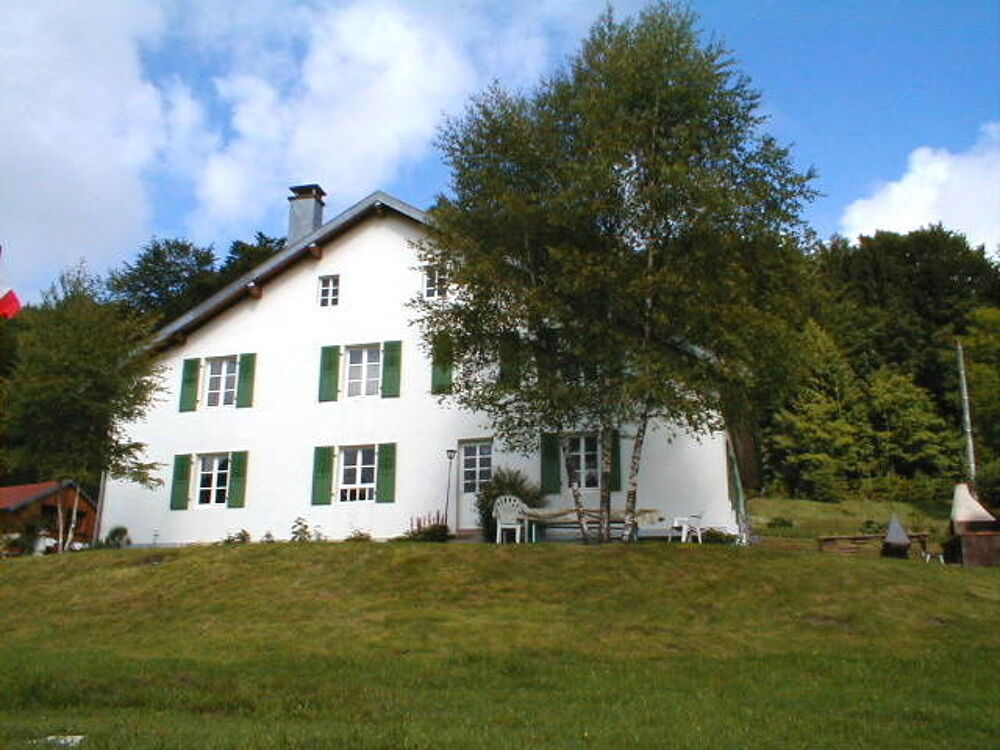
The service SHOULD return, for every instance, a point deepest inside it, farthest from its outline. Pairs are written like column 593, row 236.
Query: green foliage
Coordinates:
column 300, row 530
column 618, row 240
column 899, row 300
column 988, row 483
column 982, row 357
column 504, row 482
column 167, row 278
column 841, row 433
column 82, row 375
column 171, row 276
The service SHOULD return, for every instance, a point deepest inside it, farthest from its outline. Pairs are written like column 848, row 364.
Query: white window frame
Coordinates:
column 585, row 452
column 435, row 282
column 328, row 292
column 363, row 377
column 475, row 471
column 356, row 474
column 221, row 386
column 214, row 476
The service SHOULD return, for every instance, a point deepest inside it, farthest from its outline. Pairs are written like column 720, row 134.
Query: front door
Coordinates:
column 475, row 470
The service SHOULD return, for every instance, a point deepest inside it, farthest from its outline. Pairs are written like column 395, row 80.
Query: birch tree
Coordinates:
column 628, row 219
column 81, row 375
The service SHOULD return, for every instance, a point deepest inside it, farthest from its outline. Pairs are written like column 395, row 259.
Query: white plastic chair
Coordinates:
column 507, row 512
column 689, row 526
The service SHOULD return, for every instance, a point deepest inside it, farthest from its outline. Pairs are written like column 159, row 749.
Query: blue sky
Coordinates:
column 126, row 119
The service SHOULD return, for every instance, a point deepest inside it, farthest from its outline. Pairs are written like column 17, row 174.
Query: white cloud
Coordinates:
column 213, row 109
column 79, row 126
column 959, row 190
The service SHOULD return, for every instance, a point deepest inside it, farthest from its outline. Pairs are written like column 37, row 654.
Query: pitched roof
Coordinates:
column 235, row 291
column 17, row 496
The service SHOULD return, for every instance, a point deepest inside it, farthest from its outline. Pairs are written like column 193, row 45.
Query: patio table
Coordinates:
column 566, row 517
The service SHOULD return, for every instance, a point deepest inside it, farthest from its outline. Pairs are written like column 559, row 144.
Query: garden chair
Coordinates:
column 507, row 512
column 689, row 526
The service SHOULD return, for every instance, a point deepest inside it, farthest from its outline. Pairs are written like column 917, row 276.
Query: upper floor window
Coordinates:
column 329, row 290
column 435, row 281
column 220, row 380
column 357, row 474
column 582, row 461
column 364, row 370
column 213, row 479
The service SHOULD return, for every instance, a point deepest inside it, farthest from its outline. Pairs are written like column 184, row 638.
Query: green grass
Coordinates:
column 811, row 519
column 453, row 646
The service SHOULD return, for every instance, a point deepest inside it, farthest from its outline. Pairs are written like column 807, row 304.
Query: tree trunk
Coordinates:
column 574, row 488
column 606, row 447
column 59, row 524
column 631, row 531
column 72, row 519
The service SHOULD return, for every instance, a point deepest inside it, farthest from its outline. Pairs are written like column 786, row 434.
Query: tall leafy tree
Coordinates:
column 170, row 276
column 625, row 234
column 81, row 376
column 900, row 299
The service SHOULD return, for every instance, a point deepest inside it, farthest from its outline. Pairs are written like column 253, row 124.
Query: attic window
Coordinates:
column 329, row 290
column 435, row 282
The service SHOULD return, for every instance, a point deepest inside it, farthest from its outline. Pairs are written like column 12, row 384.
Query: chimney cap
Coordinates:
column 307, row 191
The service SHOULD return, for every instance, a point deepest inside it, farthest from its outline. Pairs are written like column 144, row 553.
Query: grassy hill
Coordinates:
column 362, row 645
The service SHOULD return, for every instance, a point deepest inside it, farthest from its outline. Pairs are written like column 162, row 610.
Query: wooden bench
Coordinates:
column 849, row 544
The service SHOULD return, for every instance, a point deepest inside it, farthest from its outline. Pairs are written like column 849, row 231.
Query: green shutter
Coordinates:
column 616, row 461
column 237, row 479
column 551, row 477
column 244, row 386
column 391, row 356
column 181, row 482
column 322, row 490
column 385, row 474
column 329, row 372
column 189, row 384
column 441, row 365
column 510, row 363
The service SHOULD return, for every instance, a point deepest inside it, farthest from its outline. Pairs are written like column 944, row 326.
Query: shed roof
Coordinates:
column 17, row 496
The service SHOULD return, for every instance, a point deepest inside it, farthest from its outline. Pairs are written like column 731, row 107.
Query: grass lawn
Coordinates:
column 361, row 645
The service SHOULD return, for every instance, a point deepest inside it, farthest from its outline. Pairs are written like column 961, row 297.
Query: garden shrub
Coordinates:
column 714, row 536
column 504, row 482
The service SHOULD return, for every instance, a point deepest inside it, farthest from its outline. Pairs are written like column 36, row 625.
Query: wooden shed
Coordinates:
column 39, row 505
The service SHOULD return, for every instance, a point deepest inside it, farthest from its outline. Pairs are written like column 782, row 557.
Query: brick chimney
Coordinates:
column 305, row 211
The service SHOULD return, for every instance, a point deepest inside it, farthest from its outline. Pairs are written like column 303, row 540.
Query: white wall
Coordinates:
column 286, row 329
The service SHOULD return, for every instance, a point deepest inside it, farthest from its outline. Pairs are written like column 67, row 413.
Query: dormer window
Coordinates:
column 329, row 290
column 435, row 282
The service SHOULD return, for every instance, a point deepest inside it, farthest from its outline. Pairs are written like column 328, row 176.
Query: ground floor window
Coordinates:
column 213, row 479
column 357, row 473
column 582, row 461
column 477, row 465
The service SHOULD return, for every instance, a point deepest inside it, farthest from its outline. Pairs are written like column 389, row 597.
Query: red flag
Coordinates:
column 10, row 305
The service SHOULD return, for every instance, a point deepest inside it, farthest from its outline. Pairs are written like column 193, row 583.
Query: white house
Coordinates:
column 301, row 391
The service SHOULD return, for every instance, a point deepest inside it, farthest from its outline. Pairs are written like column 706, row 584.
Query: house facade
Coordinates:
column 302, row 391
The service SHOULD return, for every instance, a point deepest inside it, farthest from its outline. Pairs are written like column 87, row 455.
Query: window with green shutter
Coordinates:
column 244, row 387
column 329, row 373
column 391, row 361
column 180, row 485
column 189, row 384
column 322, row 484
column 385, row 482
